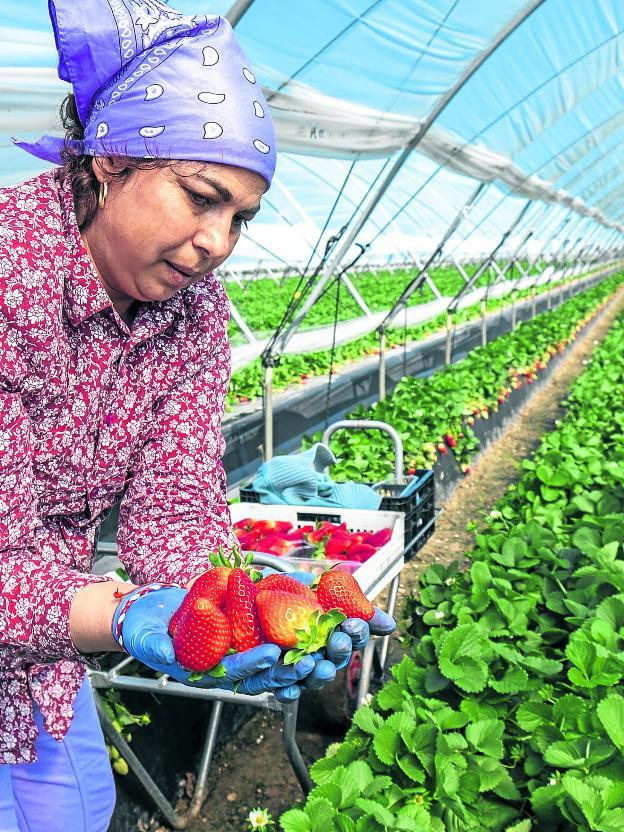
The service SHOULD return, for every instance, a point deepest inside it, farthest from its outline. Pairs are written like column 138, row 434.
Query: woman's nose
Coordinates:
column 214, row 238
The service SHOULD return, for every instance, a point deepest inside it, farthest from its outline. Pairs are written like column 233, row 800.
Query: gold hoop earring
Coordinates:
column 103, row 193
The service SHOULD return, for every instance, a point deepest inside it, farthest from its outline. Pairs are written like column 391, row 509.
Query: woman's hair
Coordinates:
column 77, row 168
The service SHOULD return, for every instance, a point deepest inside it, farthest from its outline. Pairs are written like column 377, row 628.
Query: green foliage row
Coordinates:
column 425, row 410
column 507, row 712
column 246, row 383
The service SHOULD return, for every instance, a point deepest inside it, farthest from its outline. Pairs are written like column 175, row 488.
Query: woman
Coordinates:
column 114, row 364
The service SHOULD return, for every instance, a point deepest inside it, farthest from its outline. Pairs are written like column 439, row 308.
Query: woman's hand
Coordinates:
column 142, row 626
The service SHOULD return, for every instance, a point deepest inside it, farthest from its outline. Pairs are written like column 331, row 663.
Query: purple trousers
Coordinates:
column 70, row 787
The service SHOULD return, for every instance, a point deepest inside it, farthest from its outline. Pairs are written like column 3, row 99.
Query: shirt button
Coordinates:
column 110, row 419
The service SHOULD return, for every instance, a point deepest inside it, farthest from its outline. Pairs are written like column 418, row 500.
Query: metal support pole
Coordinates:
column 449, row 338
column 382, row 364
column 292, row 749
column 268, row 413
column 483, row 321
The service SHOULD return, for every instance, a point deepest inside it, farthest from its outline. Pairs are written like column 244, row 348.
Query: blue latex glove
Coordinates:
column 145, row 636
column 352, row 634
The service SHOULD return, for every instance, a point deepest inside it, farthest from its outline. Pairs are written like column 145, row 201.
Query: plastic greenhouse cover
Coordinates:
column 352, row 82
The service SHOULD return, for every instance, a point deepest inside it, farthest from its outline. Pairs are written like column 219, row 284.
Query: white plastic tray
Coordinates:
column 373, row 575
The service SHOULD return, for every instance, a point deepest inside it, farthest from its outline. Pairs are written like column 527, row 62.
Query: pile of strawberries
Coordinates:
column 336, row 542
column 232, row 608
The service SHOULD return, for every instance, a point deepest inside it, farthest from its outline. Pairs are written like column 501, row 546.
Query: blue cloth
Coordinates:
column 298, row 479
column 69, row 787
column 152, row 82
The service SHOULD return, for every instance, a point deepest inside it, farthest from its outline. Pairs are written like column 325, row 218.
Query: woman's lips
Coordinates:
column 177, row 277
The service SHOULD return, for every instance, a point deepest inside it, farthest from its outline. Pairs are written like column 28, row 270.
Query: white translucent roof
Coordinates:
column 526, row 96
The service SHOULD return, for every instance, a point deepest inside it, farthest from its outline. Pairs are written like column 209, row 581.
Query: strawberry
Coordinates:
column 245, row 524
column 212, row 584
column 281, row 582
column 202, row 636
column 442, row 448
column 338, row 544
column 378, row 539
column 266, row 526
column 340, row 591
column 292, row 621
column 361, row 552
column 273, row 544
column 241, row 610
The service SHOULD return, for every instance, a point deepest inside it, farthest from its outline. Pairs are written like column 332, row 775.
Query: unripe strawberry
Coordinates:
column 442, row 448
column 282, row 613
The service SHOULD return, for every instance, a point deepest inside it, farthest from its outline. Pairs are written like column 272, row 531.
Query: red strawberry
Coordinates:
column 379, row 539
column 273, row 544
column 245, row 524
column 202, row 636
column 212, row 584
column 442, row 448
column 281, row 582
column 241, row 610
column 340, row 591
column 338, row 544
column 361, row 552
column 266, row 526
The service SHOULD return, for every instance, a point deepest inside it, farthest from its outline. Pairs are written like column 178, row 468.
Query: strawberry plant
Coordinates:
column 507, row 711
column 246, row 383
column 430, row 412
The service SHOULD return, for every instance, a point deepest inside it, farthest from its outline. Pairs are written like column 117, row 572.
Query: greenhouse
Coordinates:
column 319, row 511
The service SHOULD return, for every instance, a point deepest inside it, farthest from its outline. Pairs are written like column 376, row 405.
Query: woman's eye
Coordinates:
column 240, row 222
column 200, row 199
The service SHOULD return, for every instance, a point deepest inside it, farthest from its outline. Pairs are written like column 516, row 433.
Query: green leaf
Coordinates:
column 459, row 657
column 586, row 538
column 486, row 736
column 387, row 743
column 524, row 826
column 321, row 812
column 611, row 715
column 587, row 799
column 367, row 720
column 295, row 820
column 513, row 681
column 411, row 767
column 377, row 811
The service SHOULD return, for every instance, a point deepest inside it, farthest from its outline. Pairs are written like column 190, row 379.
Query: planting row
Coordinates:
column 507, row 713
column 435, row 415
column 263, row 302
column 246, row 383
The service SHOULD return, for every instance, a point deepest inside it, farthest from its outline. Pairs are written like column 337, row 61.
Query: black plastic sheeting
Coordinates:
column 306, row 410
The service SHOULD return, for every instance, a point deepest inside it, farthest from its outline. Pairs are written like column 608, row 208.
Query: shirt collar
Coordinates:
column 84, row 295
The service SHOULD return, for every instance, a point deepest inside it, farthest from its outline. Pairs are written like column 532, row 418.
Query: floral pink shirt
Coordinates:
column 90, row 411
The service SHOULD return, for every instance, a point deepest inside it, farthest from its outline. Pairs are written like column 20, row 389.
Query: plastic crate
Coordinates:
column 372, row 575
column 418, row 508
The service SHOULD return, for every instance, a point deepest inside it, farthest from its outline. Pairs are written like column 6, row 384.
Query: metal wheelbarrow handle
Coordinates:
column 366, row 424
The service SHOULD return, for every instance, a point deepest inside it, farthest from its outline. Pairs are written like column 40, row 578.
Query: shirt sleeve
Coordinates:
column 174, row 512
column 35, row 593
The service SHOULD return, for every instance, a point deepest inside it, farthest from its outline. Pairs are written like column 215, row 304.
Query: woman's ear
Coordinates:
column 106, row 166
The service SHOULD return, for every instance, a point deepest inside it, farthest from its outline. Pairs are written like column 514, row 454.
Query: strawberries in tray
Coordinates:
column 330, row 540
column 232, row 608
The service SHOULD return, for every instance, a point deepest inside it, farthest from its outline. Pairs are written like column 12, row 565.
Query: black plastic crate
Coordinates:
column 418, row 508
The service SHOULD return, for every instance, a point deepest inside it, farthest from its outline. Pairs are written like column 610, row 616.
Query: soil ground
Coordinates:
column 253, row 770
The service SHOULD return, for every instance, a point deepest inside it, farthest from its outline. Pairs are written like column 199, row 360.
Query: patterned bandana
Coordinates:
column 150, row 82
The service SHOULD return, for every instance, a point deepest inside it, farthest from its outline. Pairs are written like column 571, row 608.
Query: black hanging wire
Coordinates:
column 332, row 352
column 405, row 341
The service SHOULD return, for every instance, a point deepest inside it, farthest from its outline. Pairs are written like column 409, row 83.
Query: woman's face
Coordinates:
column 162, row 230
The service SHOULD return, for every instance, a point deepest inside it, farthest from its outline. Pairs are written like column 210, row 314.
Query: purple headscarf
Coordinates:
column 152, row 82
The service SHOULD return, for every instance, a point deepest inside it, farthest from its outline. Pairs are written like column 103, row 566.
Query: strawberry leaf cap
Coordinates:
column 316, row 635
